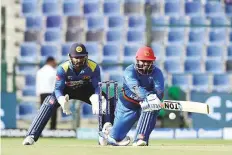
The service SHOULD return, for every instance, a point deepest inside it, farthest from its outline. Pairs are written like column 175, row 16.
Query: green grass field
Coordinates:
column 58, row 146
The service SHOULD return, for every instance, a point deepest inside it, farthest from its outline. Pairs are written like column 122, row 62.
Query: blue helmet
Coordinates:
column 78, row 56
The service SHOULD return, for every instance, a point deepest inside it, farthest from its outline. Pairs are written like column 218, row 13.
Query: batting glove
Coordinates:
column 63, row 101
column 151, row 103
column 94, row 99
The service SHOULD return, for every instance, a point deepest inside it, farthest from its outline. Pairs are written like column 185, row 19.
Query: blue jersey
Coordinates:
column 137, row 86
column 68, row 78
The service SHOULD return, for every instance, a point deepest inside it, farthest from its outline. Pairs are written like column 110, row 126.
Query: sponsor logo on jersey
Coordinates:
column 86, row 77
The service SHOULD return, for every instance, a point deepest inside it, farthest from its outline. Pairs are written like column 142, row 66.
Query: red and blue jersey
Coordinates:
column 137, row 86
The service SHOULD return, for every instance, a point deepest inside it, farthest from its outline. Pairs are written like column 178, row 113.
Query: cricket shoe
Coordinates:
column 29, row 140
column 103, row 135
column 140, row 143
column 124, row 142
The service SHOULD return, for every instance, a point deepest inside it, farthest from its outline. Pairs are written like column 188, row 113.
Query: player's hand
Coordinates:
column 151, row 103
column 94, row 99
column 63, row 101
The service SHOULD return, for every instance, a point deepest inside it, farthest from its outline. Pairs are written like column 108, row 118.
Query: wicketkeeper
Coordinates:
column 139, row 100
column 77, row 79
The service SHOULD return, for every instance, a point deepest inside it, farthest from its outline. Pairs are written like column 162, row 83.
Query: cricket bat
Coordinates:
column 187, row 106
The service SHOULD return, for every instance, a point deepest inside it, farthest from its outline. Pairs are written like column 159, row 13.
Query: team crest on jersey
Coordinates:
column 147, row 53
column 79, row 49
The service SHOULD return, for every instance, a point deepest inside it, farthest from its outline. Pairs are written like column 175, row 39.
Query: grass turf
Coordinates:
column 59, row 146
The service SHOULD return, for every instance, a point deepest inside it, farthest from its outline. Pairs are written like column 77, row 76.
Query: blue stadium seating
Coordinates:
column 129, row 53
column 178, row 22
column 28, row 52
column 30, row 80
column 137, row 22
column 50, row 7
column 28, row 91
column 198, row 21
column 54, row 21
column 114, row 36
column 159, row 22
column 111, row 53
column 229, row 52
column 173, row 66
column 93, row 50
column 34, row 22
column 221, row 82
column 213, row 8
column 200, row 82
column 172, row 8
column 215, row 51
column 206, row 48
column 136, row 36
column 228, row 10
column 197, row 36
column 116, row 22
column 231, row 35
column 29, row 7
column 71, row 7
column 26, row 69
column 194, row 51
column 65, row 50
column 158, row 50
column 27, row 110
column 214, row 66
column 117, row 77
column 176, row 36
column 111, row 7
column 219, row 22
column 193, row 8
column 48, row 50
column 52, row 35
column 174, row 51
column 95, row 22
column 192, row 66
column 91, row 7
column 112, row 69
column 181, row 80
column 217, row 36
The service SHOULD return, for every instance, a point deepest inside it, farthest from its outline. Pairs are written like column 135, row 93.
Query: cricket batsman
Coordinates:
column 77, row 79
column 140, row 100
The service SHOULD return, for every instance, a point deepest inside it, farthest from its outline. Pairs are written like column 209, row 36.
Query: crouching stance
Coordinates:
column 77, row 79
column 139, row 101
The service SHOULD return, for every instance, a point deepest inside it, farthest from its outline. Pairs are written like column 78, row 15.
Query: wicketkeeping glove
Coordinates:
column 94, row 99
column 63, row 101
column 151, row 103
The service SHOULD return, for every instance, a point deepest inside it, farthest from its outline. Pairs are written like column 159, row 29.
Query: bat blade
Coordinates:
column 187, row 106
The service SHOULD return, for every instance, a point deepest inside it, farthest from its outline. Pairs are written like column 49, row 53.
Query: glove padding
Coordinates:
column 151, row 103
column 94, row 99
column 63, row 101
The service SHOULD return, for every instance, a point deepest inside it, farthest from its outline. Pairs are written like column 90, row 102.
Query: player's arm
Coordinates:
column 133, row 84
column 159, row 84
column 153, row 100
column 96, row 78
column 60, row 82
column 94, row 98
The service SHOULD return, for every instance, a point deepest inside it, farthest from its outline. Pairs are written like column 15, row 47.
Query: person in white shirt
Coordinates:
column 45, row 84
